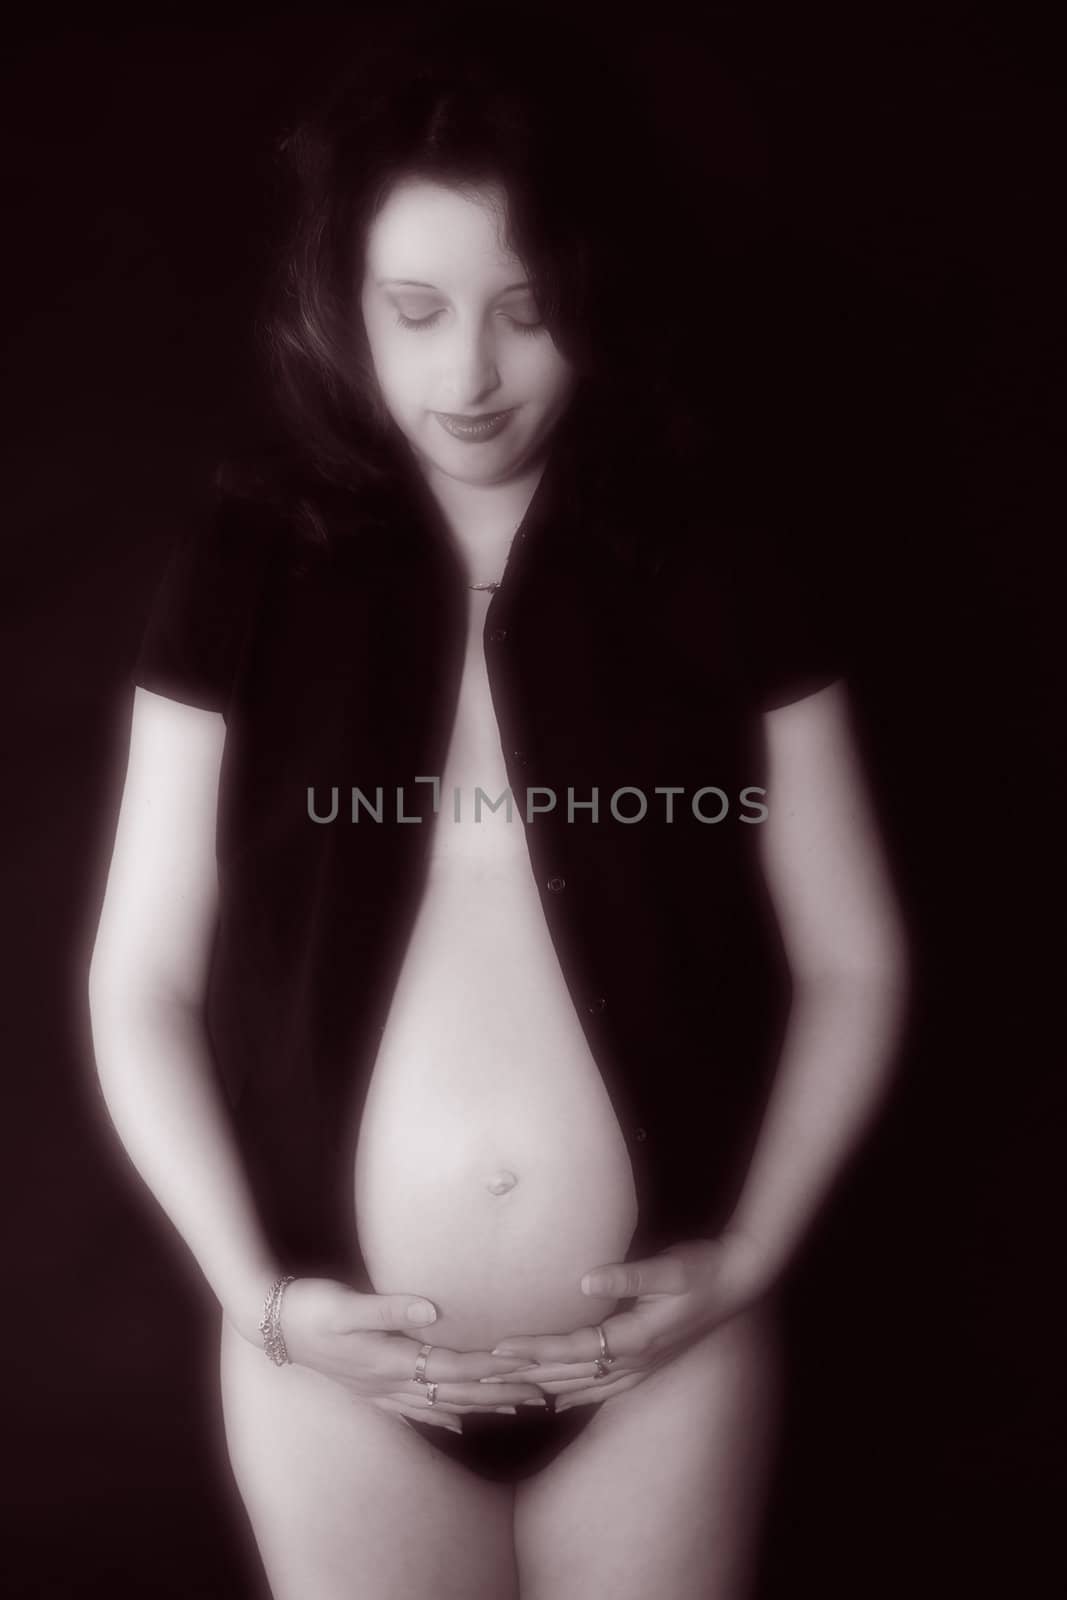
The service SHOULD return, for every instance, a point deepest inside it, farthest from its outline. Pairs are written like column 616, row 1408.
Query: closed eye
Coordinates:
column 527, row 328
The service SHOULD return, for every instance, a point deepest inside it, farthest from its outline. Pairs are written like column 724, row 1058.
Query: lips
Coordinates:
column 472, row 429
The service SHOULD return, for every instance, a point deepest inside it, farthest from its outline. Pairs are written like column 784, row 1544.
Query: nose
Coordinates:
column 475, row 376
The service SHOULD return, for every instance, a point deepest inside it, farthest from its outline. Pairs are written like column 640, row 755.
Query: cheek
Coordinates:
column 548, row 373
column 400, row 371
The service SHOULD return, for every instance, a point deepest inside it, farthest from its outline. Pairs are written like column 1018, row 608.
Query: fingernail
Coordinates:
column 511, row 1411
column 421, row 1312
column 505, row 1350
column 595, row 1283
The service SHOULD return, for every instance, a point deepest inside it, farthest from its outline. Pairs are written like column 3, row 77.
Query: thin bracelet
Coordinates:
column 271, row 1326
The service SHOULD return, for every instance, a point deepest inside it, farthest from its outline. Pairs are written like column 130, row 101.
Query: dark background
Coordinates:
column 882, row 195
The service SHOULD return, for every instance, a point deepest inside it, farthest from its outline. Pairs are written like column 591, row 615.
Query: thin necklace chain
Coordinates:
column 493, row 587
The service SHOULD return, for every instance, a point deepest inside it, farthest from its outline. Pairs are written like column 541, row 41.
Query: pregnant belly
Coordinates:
column 491, row 1172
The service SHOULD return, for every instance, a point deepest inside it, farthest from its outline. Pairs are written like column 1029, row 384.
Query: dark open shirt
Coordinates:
column 636, row 639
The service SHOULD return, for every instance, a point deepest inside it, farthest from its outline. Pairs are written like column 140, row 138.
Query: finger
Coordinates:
column 658, row 1275
column 624, row 1333
column 627, row 1332
column 582, row 1345
column 546, row 1372
column 412, row 1406
column 588, row 1380
column 569, row 1384
column 457, row 1409
column 588, row 1397
column 357, row 1312
column 477, row 1394
column 451, row 1366
column 580, row 1397
column 602, row 1392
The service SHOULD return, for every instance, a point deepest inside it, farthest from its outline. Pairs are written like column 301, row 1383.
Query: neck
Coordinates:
column 483, row 519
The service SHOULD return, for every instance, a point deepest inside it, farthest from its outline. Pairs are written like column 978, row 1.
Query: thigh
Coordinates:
column 345, row 1500
column 663, row 1492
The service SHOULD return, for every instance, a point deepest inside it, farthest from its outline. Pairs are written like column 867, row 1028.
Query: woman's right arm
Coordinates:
column 147, row 983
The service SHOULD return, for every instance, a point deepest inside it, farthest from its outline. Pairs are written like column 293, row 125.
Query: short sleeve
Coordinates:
column 756, row 618
column 198, row 617
column 792, row 618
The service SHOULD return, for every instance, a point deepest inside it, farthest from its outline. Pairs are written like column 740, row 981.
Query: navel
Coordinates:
column 501, row 1182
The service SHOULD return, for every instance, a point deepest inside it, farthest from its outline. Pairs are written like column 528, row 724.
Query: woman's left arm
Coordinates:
column 844, row 937
column 845, row 941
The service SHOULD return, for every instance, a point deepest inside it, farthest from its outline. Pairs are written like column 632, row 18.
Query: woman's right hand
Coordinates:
column 355, row 1339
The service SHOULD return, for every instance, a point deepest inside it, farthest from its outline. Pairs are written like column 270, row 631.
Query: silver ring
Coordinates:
column 420, row 1363
column 605, row 1359
column 431, row 1394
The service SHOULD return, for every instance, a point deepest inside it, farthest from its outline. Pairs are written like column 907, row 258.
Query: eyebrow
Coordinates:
column 413, row 283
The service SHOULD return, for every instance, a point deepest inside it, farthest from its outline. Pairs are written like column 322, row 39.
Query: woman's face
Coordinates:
column 454, row 333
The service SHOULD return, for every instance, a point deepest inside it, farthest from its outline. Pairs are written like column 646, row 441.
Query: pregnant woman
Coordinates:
column 498, row 960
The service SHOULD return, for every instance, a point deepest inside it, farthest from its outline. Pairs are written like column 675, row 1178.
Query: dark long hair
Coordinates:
column 555, row 121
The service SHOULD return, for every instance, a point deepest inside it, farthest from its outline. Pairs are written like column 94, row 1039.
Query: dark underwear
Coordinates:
column 505, row 1448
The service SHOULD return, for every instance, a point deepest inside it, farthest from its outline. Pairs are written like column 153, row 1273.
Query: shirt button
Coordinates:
column 498, row 635
column 640, row 1133
column 556, row 884
column 597, row 1005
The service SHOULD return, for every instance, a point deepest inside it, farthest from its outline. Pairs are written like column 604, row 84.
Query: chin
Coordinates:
column 464, row 464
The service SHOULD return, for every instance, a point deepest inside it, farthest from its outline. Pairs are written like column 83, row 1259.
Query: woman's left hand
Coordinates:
column 681, row 1294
